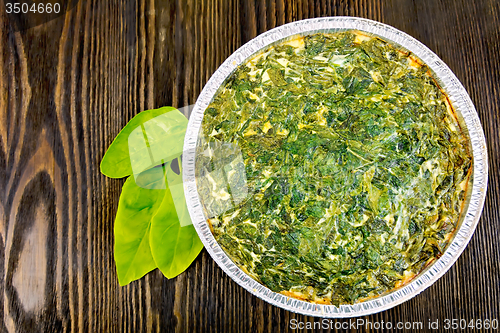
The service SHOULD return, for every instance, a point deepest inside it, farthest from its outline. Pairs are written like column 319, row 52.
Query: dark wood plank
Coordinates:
column 67, row 88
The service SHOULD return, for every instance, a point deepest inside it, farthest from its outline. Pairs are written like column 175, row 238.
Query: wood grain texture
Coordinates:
column 67, row 88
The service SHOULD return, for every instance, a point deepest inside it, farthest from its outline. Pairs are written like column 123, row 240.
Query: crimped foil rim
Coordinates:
column 460, row 101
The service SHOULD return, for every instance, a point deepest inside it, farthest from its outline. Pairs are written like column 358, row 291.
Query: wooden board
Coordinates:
column 68, row 86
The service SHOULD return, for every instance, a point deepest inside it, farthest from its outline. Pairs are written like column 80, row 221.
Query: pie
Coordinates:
column 332, row 167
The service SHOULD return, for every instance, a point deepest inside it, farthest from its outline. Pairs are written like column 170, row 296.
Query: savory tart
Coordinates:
column 332, row 167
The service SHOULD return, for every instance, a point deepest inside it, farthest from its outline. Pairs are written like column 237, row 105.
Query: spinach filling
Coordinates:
column 332, row 167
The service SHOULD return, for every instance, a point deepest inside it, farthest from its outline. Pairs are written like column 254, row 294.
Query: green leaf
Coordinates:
column 174, row 241
column 276, row 77
column 152, row 226
column 151, row 138
column 136, row 208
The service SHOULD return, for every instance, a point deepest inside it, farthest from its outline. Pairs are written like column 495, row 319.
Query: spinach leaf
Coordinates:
column 136, row 208
column 174, row 241
column 151, row 138
column 152, row 226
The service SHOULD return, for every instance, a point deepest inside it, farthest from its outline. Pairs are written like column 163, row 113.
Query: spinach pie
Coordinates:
column 332, row 167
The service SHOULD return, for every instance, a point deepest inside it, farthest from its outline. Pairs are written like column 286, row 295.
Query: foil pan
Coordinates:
column 460, row 101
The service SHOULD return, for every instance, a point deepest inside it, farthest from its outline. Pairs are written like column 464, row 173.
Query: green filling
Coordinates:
column 353, row 169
